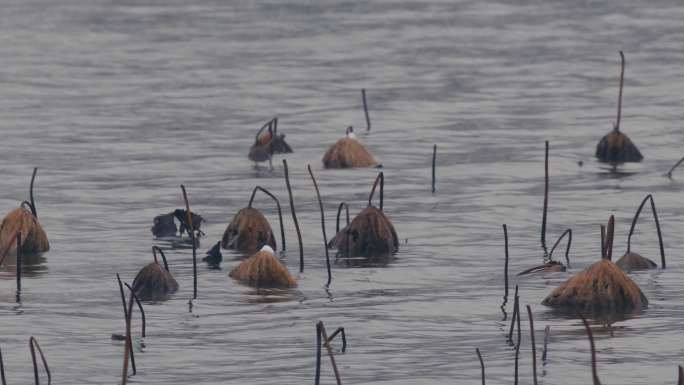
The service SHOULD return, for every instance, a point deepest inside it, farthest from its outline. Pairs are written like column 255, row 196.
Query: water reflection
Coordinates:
column 33, row 265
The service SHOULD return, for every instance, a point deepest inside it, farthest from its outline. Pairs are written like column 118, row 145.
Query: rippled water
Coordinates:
column 119, row 102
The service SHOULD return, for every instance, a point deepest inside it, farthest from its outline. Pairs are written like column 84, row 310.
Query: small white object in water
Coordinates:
column 268, row 249
column 351, row 135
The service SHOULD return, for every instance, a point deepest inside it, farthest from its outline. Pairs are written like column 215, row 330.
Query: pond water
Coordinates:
column 119, row 102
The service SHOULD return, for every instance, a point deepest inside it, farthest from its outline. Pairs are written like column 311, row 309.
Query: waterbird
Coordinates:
column 616, row 147
column 154, row 281
column 24, row 220
column 348, row 152
column 263, row 270
column 268, row 142
column 214, row 257
column 601, row 287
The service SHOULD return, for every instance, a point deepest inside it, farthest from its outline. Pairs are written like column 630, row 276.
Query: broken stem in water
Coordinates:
column 365, row 109
column 194, row 245
column 516, row 299
column 546, row 197
column 622, row 82
column 2, row 370
column 434, row 166
column 33, row 345
column 479, row 356
column 126, row 311
column 547, row 335
column 128, row 346
column 140, row 307
column 325, row 238
column 657, row 222
column 280, row 213
column 339, row 213
column 19, row 266
column 567, row 247
column 594, row 373
column 294, row 216
column 330, row 353
column 517, row 345
column 534, row 350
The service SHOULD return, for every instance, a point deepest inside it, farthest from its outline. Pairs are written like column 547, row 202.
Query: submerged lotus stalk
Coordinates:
column 634, row 261
column 24, row 219
column 616, row 147
column 263, row 270
column 601, row 287
column 33, row 345
column 348, row 152
column 250, row 229
column 370, row 234
column 154, row 281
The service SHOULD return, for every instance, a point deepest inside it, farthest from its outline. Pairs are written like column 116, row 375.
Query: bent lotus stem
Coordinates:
column 380, row 178
column 140, row 307
column 516, row 299
column 622, row 82
column 275, row 126
column 341, row 332
column 365, row 109
column 594, row 373
column 294, row 217
column 161, row 252
column 680, row 380
column 280, row 213
column 669, row 173
column 194, row 245
column 319, row 337
column 325, row 238
column 330, row 352
column 567, row 232
column 33, row 203
column 479, row 356
column 534, row 350
column 126, row 311
column 648, row 197
column 339, row 213
column 128, row 346
column 33, row 345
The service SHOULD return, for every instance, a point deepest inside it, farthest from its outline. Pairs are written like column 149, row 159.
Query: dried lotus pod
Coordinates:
column 24, row 220
column 263, row 270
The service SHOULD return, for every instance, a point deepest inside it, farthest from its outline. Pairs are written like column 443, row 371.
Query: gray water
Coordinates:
column 119, row 102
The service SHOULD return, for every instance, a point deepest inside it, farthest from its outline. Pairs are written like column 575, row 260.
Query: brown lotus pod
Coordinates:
column 263, row 270
column 249, row 229
column 634, row 261
column 268, row 142
column 348, row 152
column 616, row 147
column 601, row 287
column 370, row 234
column 24, row 220
column 154, row 282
